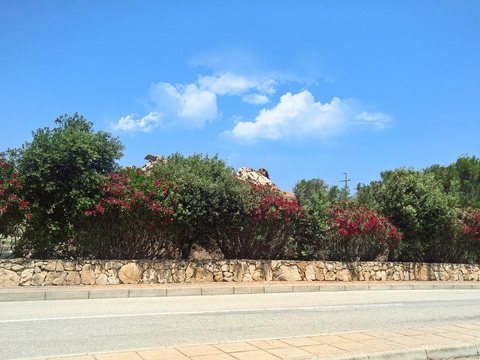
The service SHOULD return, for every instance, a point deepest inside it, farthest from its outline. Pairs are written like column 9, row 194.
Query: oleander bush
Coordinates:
column 355, row 233
column 64, row 196
column 267, row 224
column 464, row 242
column 131, row 221
column 14, row 210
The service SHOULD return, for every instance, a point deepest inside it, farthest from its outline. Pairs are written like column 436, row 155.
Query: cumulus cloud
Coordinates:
column 234, row 84
column 255, row 99
column 299, row 115
column 144, row 124
column 226, row 84
column 193, row 105
column 377, row 120
column 185, row 104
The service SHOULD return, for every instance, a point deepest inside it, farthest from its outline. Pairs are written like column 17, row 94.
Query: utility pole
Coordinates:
column 346, row 180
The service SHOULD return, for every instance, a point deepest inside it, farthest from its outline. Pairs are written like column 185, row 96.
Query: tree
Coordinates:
column 316, row 198
column 63, row 169
column 460, row 179
column 209, row 200
column 468, row 169
column 418, row 206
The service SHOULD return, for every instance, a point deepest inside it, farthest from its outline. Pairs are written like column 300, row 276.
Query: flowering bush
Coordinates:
column 359, row 234
column 131, row 219
column 14, row 210
column 464, row 244
column 269, row 222
column 209, row 200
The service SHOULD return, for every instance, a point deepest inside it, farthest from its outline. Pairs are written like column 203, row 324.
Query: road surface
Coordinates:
column 66, row 327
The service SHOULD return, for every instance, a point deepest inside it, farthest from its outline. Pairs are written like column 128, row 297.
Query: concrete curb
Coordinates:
column 437, row 352
column 62, row 293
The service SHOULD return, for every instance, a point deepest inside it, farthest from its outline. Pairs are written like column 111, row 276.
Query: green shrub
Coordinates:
column 268, row 225
column 131, row 221
column 417, row 205
column 356, row 233
column 62, row 169
column 464, row 243
column 315, row 198
column 14, row 210
column 209, row 200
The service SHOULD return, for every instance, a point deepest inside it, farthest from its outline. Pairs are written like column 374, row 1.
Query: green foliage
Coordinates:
column 269, row 222
column 464, row 245
column 316, row 198
column 356, row 233
column 460, row 179
column 131, row 221
column 13, row 209
column 63, row 169
column 466, row 236
column 208, row 196
column 417, row 204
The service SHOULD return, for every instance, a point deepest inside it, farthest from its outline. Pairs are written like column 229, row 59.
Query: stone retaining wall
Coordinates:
column 24, row 272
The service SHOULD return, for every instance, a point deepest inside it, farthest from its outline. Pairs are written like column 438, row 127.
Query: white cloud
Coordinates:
column 185, row 104
column 299, row 115
column 145, row 124
column 226, row 84
column 255, row 99
column 377, row 120
column 232, row 84
column 193, row 105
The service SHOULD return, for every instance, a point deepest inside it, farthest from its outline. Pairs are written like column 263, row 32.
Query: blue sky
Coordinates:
column 305, row 89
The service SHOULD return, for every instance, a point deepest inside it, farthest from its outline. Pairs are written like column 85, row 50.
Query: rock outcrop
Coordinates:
column 259, row 177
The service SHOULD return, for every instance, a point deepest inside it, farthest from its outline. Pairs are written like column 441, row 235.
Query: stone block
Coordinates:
column 8, row 278
column 87, row 275
column 201, row 275
column 38, row 278
column 101, row 280
column 130, row 273
column 73, row 278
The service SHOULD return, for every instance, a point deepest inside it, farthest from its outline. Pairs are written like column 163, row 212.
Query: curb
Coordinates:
column 437, row 352
column 14, row 294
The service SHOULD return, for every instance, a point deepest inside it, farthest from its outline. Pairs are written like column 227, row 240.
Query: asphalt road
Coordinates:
column 67, row 327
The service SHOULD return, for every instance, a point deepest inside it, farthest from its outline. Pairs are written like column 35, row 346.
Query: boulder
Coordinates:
column 130, row 273
column 8, row 278
column 260, row 177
